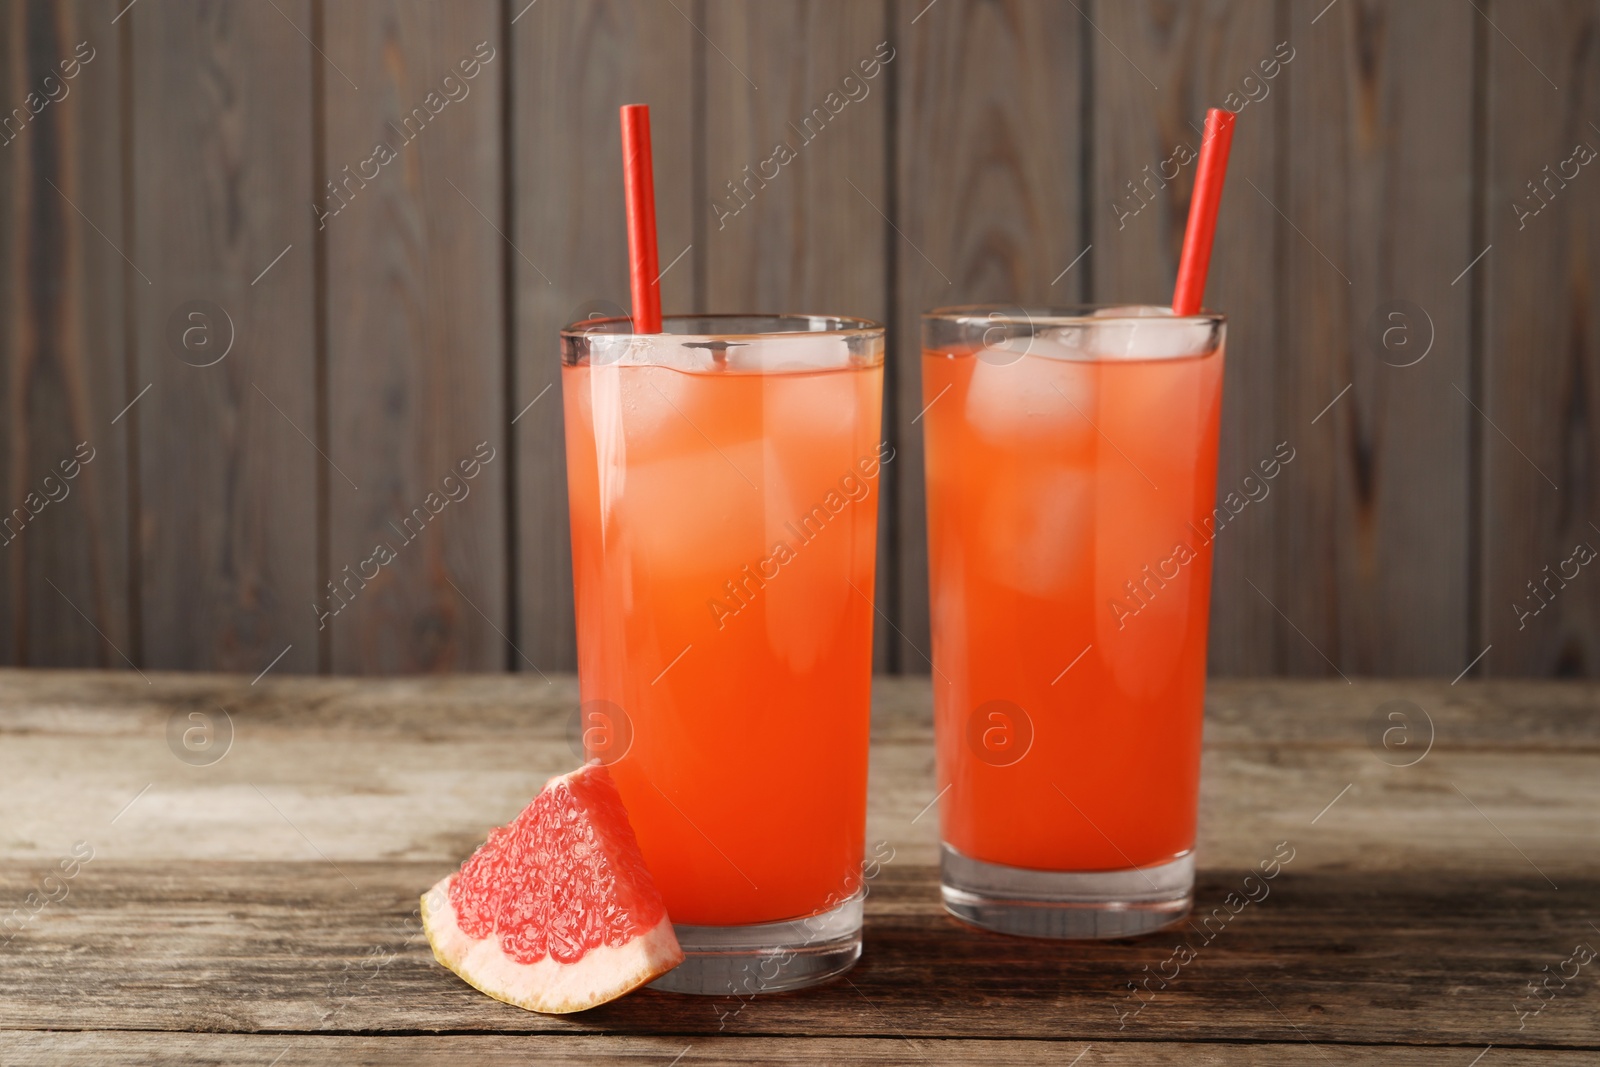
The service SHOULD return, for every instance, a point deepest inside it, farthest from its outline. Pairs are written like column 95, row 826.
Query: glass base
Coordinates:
column 1066, row 904
column 742, row 961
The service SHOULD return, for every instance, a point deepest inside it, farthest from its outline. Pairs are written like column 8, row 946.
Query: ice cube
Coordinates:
column 1059, row 344
column 660, row 398
column 1149, row 337
column 792, row 352
column 1041, row 396
column 642, row 414
column 811, row 411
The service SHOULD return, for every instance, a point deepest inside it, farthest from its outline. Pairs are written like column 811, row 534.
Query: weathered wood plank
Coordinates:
column 574, row 64
column 63, row 374
column 1373, row 564
column 1157, row 69
column 1539, row 402
column 989, row 137
column 1418, row 957
column 797, row 178
column 228, row 511
column 416, row 328
column 263, row 1050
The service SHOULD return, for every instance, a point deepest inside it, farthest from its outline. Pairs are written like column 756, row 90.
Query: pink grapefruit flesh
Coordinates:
column 556, row 912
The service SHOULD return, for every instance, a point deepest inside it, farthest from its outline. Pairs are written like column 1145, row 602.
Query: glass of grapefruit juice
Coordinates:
column 722, row 478
column 1071, row 460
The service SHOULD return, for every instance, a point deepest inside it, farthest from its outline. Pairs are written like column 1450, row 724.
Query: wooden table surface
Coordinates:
column 260, row 909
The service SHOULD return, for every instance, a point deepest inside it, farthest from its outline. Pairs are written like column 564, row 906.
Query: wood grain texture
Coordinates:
column 797, row 179
column 605, row 1050
column 274, row 889
column 989, row 134
column 227, row 478
column 575, row 63
column 1373, row 564
column 63, row 541
column 416, row 333
column 303, row 947
column 1539, row 406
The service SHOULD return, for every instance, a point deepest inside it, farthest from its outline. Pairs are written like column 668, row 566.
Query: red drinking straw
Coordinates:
column 639, row 187
column 1196, row 257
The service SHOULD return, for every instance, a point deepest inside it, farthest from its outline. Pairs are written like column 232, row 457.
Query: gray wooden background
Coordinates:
column 1410, row 181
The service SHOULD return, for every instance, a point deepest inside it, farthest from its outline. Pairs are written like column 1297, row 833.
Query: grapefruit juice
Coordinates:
column 724, row 521
column 1070, row 485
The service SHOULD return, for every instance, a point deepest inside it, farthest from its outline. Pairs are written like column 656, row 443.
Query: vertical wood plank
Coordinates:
column 1158, row 66
column 989, row 132
column 63, row 541
column 1538, row 421
column 797, row 179
column 227, row 476
column 416, row 265
column 575, row 62
column 1374, row 563
column 811, row 238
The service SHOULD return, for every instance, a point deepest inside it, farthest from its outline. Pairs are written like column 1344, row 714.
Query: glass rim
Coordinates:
column 846, row 326
column 1061, row 315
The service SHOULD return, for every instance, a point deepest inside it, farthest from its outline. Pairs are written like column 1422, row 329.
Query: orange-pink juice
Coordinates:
column 723, row 541
column 1070, row 568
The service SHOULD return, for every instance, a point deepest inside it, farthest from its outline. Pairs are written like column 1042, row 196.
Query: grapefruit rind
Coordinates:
column 548, row 986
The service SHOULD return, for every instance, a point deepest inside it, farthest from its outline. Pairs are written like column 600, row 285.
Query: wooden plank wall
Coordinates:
column 382, row 212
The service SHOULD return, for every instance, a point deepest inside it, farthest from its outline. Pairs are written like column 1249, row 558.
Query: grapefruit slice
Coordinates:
column 556, row 912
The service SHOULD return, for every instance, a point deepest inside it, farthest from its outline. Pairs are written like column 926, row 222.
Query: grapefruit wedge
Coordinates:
column 556, row 912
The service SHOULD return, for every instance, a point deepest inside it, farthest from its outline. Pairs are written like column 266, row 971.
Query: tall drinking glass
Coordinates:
column 1071, row 475
column 723, row 483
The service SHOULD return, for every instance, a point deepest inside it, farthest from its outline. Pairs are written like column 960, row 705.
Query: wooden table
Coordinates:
column 260, row 909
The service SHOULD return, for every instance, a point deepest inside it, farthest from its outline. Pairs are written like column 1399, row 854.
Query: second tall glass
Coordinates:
column 723, row 479
column 1071, row 474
